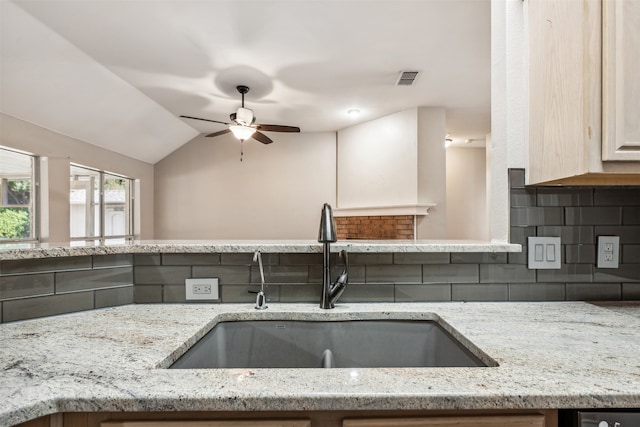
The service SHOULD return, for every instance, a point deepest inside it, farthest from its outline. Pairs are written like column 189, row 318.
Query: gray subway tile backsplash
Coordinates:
column 421, row 258
column 624, row 196
column 29, row 285
column 480, row 292
column 115, row 260
column 190, row 259
column 73, row 281
column 35, row 288
column 423, row 292
column 631, row 291
column 45, row 264
column 506, row 273
column 537, row 216
column 630, row 254
column 478, row 258
column 147, row 294
column 161, row 275
column 631, row 215
column 570, row 235
column 226, row 274
column 537, row 292
column 410, row 273
column 29, row 308
column 594, row 291
column 624, row 273
column 580, row 254
column 629, row 234
column 114, row 296
column 593, row 215
column 567, row 273
column 564, row 197
column 451, row 273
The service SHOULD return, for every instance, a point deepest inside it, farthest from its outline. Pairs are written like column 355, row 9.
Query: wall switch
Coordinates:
column 202, row 289
column 608, row 251
column 544, row 253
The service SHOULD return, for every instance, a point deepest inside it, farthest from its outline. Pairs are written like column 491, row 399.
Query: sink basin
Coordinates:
column 328, row 344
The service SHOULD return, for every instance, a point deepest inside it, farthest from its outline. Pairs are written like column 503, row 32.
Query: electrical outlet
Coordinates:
column 202, row 289
column 608, row 251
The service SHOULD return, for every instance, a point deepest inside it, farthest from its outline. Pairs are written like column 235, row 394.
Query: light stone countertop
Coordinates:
column 18, row 251
column 550, row 355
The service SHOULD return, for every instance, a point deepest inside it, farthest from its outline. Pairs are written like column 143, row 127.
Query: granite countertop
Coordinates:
column 550, row 355
column 14, row 251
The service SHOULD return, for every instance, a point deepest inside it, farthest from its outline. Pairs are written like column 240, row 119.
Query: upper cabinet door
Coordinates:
column 621, row 80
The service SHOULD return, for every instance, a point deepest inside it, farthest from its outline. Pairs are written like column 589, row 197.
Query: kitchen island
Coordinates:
column 549, row 356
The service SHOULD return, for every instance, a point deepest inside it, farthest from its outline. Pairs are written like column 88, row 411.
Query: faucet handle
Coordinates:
column 261, row 301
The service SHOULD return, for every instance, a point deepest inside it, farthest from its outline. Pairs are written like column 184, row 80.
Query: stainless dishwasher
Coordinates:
column 607, row 419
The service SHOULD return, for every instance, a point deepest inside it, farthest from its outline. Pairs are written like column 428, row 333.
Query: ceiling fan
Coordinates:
column 243, row 124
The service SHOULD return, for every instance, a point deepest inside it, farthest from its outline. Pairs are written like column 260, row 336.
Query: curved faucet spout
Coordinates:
column 261, row 297
column 327, row 234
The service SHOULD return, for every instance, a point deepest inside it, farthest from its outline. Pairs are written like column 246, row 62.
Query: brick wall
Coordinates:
column 392, row 227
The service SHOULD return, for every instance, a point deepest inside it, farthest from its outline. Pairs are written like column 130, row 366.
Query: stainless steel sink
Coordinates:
column 328, row 344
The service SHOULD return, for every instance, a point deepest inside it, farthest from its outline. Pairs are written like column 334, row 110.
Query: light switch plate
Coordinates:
column 202, row 289
column 608, row 251
column 544, row 253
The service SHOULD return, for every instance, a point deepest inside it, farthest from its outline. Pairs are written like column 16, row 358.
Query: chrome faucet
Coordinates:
column 327, row 235
column 261, row 296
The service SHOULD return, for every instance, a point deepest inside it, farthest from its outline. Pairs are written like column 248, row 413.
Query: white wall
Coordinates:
column 466, row 201
column 506, row 146
column 203, row 191
column 60, row 151
column 377, row 162
column 396, row 160
column 432, row 178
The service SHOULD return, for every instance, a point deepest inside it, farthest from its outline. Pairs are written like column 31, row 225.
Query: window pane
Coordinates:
column 15, row 223
column 16, row 200
column 85, row 202
column 116, row 205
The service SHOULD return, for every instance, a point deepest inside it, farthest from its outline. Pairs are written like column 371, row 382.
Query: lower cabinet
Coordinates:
column 424, row 418
column 452, row 421
column 223, row 423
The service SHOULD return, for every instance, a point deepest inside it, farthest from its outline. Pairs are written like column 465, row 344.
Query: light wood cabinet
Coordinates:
column 565, row 94
column 464, row 421
column 221, row 423
column 621, row 80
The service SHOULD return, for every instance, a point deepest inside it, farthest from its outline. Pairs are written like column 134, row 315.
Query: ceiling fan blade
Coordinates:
column 221, row 132
column 278, row 128
column 205, row 120
column 259, row 136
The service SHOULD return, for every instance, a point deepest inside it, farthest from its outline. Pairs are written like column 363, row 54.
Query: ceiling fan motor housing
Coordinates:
column 244, row 116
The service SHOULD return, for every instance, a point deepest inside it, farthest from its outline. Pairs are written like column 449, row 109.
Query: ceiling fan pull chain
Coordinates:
column 241, row 149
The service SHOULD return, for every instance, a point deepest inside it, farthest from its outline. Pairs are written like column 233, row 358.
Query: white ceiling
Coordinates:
column 117, row 74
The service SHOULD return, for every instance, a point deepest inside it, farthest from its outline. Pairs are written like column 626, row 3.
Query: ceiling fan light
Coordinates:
column 242, row 132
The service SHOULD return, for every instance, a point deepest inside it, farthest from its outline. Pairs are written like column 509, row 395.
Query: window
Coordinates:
column 101, row 205
column 18, row 180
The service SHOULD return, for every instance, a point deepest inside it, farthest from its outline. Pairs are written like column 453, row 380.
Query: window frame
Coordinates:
column 34, row 197
column 101, row 237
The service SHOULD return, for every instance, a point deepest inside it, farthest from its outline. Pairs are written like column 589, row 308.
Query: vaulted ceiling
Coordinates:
column 117, row 74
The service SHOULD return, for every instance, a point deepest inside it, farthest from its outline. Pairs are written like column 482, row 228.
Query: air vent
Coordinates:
column 407, row 78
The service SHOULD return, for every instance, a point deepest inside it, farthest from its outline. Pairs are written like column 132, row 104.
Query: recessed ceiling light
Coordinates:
column 354, row 112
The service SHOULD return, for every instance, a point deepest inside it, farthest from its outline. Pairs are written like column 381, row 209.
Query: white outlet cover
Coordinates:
column 191, row 283
column 608, row 251
column 544, row 253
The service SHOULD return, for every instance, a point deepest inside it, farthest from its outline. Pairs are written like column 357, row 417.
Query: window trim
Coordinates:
column 34, row 205
column 102, row 238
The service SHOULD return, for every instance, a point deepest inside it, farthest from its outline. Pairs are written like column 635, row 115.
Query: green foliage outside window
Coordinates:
column 18, row 192
column 14, row 223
